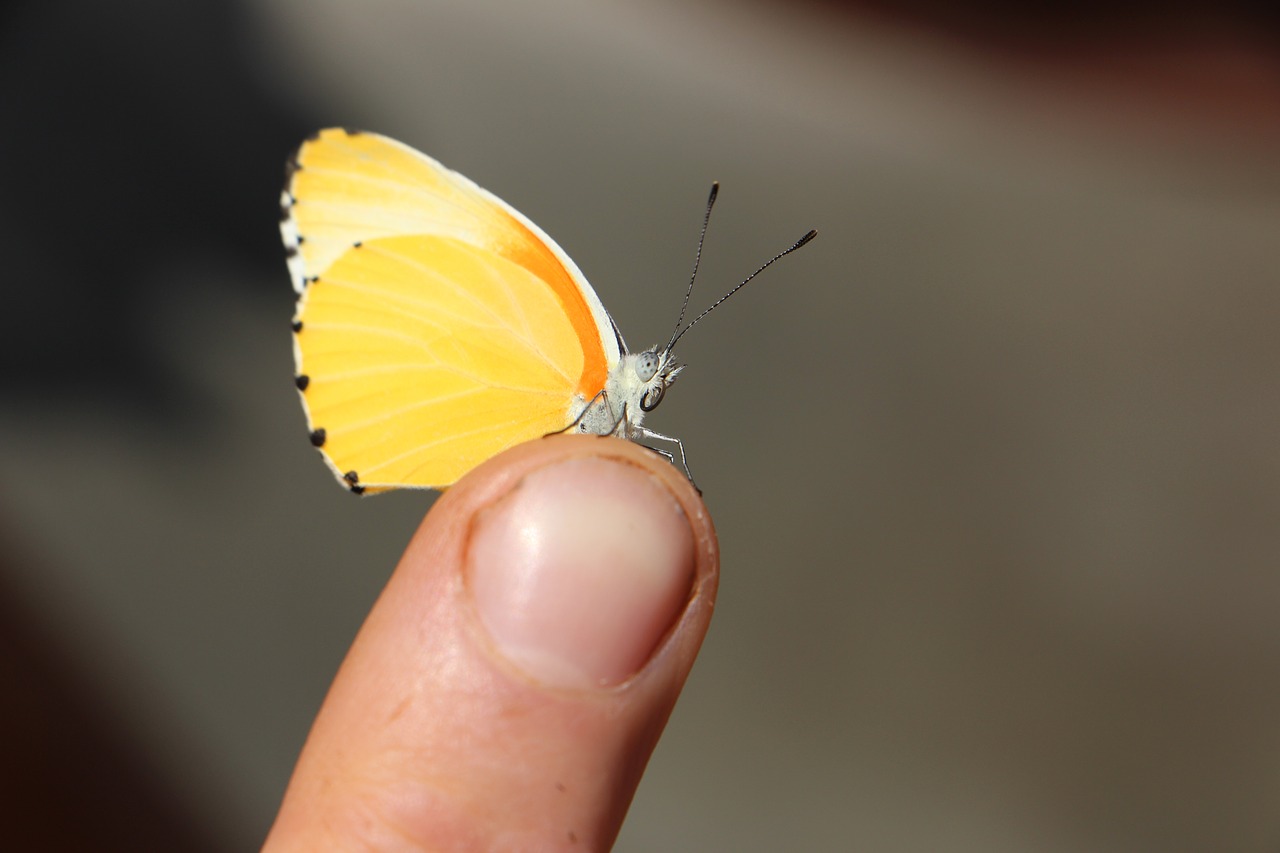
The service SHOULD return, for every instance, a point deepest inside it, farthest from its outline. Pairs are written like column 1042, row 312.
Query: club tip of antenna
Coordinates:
column 805, row 239
column 715, row 191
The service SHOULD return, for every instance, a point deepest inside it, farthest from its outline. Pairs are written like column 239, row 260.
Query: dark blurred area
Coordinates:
column 1088, row 26
column 1211, row 66
column 73, row 779
column 141, row 135
column 139, row 175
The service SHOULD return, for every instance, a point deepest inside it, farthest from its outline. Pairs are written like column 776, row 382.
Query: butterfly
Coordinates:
column 436, row 325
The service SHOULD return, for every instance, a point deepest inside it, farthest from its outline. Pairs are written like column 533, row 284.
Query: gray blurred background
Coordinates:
column 995, row 461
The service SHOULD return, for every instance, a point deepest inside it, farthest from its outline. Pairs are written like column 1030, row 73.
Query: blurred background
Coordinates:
column 994, row 461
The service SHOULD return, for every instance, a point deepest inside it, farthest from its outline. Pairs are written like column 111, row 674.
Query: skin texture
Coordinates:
column 508, row 687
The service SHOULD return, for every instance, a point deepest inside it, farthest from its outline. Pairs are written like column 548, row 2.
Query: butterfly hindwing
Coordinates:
column 436, row 326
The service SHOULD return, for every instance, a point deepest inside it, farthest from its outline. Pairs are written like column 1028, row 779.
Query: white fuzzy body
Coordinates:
column 634, row 387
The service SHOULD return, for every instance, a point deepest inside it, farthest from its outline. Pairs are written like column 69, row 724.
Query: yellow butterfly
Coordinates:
column 437, row 326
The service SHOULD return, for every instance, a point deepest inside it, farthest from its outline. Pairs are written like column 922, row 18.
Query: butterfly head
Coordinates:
column 655, row 371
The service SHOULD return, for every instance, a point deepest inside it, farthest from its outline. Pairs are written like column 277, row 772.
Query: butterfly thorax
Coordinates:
column 635, row 387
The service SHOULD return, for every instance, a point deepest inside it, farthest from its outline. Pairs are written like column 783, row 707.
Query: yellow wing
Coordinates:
column 436, row 326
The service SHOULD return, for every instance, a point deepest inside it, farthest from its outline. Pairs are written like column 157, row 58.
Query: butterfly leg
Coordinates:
column 644, row 433
column 665, row 454
column 621, row 428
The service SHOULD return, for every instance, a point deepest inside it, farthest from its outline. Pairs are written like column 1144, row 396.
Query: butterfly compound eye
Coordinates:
column 646, row 365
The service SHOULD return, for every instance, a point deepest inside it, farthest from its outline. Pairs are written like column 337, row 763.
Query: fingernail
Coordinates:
column 581, row 570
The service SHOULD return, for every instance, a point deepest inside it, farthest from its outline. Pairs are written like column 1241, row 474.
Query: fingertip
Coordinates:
column 532, row 641
column 580, row 570
column 499, row 474
column 582, row 554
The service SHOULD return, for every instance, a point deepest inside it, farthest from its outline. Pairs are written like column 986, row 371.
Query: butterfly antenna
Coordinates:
column 697, row 259
column 796, row 245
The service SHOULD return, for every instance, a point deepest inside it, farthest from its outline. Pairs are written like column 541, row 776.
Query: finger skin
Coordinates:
column 430, row 738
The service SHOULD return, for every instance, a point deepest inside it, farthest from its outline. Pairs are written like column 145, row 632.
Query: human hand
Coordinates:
column 511, row 681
